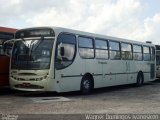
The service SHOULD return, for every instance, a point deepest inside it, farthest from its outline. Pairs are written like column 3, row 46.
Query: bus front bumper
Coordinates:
column 43, row 85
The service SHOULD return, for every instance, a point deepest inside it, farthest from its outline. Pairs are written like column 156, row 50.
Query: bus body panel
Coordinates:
column 69, row 80
column 158, row 72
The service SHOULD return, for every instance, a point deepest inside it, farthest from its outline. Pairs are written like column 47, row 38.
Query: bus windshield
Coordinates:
column 32, row 54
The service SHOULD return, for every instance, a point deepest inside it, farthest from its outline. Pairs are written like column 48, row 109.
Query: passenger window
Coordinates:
column 67, row 44
column 101, row 47
column 146, row 54
column 114, row 50
column 126, row 51
column 86, row 49
column 137, row 52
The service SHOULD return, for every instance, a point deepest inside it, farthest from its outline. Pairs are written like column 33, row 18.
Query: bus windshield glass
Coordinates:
column 32, row 54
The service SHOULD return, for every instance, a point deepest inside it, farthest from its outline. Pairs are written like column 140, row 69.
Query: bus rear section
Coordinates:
column 5, row 34
column 158, row 61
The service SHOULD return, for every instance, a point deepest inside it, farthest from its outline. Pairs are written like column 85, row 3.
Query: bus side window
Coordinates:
column 114, row 50
column 126, row 51
column 86, row 49
column 137, row 52
column 68, row 43
column 101, row 49
column 146, row 53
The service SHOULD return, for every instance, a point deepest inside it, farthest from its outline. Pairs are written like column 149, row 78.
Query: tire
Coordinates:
column 86, row 85
column 140, row 80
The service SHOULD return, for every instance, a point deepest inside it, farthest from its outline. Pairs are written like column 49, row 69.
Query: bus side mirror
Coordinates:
column 62, row 51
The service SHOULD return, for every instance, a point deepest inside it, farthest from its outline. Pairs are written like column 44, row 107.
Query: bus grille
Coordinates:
column 28, row 86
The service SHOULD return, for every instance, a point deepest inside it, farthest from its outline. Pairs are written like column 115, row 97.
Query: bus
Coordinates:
column 158, row 61
column 62, row 60
column 5, row 34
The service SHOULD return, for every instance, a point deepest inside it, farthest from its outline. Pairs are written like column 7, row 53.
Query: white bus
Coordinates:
column 158, row 61
column 62, row 60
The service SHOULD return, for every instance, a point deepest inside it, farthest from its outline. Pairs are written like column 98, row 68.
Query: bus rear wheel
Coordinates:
column 86, row 85
column 140, row 79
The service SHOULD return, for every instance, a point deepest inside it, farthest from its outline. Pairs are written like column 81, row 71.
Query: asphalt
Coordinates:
column 125, row 99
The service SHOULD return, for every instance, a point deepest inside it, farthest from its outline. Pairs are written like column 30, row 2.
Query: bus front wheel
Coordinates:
column 140, row 79
column 86, row 85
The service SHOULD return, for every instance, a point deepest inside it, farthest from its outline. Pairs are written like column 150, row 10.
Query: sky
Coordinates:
column 130, row 19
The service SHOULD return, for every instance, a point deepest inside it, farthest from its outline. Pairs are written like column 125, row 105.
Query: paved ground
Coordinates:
column 119, row 99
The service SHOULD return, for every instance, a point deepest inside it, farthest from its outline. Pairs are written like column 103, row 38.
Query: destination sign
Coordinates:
column 34, row 33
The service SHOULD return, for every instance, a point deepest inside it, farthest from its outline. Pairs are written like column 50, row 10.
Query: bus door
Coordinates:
column 67, row 67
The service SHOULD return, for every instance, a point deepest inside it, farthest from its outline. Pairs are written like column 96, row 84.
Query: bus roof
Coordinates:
column 61, row 29
column 8, row 30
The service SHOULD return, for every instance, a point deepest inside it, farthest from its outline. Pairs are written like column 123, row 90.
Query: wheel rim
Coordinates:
column 86, row 84
column 140, row 80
